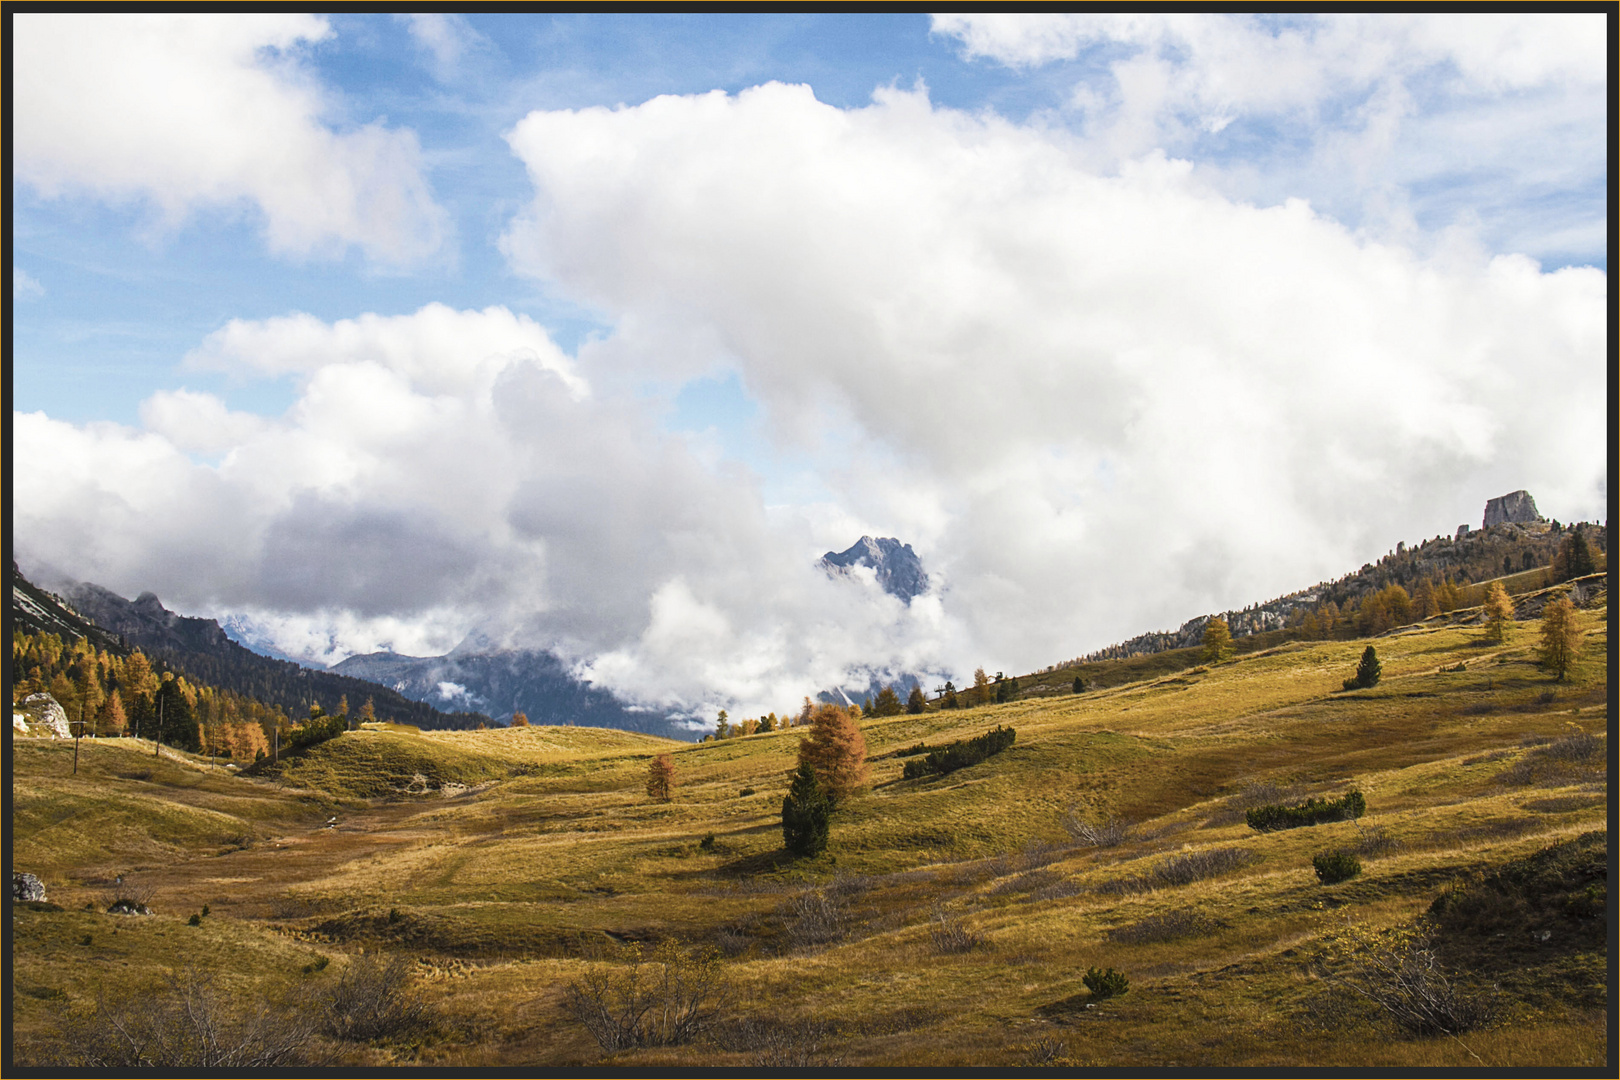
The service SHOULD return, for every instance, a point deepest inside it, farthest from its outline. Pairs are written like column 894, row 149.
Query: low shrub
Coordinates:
column 372, row 1000
column 1335, row 866
column 1310, row 812
column 961, row 754
column 1181, row 870
column 667, row 1001
column 1103, row 834
column 950, row 935
column 1105, row 984
column 186, row 1023
column 1165, row 926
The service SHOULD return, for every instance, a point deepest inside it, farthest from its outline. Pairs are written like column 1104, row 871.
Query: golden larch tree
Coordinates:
column 1560, row 637
column 1498, row 612
column 1217, row 641
column 661, row 778
column 836, row 750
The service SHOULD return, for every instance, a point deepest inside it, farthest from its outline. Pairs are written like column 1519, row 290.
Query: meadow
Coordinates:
column 951, row 921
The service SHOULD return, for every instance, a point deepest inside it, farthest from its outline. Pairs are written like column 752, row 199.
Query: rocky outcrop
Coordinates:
column 1514, row 507
column 26, row 888
column 40, row 716
column 899, row 571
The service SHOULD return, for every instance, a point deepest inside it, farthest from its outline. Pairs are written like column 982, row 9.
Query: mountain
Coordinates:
column 500, row 683
column 899, row 571
column 201, row 650
column 37, row 611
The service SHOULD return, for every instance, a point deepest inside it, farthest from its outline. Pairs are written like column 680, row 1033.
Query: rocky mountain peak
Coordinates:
column 1515, row 506
column 899, row 571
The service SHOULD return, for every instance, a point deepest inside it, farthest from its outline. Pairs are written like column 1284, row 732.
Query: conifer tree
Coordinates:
column 660, row 778
column 917, row 701
column 804, row 813
column 836, row 750
column 1560, row 637
column 1367, row 673
column 1079, row 685
column 887, row 703
column 981, row 687
column 1217, row 641
column 949, row 700
column 1498, row 612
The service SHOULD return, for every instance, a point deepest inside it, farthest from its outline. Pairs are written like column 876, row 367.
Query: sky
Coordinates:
column 593, row 332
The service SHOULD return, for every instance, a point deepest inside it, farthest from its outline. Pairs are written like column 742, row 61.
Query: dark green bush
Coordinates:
column 318, row 729
column 745, row 792
column 1272, row 817
column 1367, row 672
column 961, row 753
column 1335, row 866
column 804, row 814
column 195, row 920
column 1105, row 984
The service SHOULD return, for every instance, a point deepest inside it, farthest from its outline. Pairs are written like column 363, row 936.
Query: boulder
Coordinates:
column 26, row 887
column 1514, row 507
column 42, row 717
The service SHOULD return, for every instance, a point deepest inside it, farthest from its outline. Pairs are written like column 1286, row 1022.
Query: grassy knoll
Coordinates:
column 509, row 864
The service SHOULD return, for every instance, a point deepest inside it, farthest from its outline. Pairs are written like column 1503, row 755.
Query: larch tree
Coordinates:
column 981, row 687
column 368, row 712
column 1560, row 637
column 1498, row 612
column 111, row 720
column 1217, row 641
column 836, row 750
column 661, row 778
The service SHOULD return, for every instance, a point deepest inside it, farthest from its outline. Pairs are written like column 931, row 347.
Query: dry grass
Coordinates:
column 530, row 851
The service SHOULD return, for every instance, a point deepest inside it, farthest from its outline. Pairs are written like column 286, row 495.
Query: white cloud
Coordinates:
column 1385, row 118
column 189, row 111
column 1096, row 403
column 444, row 473
column 24, row 286
column 447, row 39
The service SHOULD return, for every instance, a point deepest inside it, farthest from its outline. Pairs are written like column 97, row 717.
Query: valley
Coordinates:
column 951, row 921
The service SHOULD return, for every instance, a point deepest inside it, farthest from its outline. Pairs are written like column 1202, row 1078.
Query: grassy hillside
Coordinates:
column 510, row 864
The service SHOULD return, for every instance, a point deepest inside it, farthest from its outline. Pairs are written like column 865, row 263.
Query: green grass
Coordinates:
column 522, row 852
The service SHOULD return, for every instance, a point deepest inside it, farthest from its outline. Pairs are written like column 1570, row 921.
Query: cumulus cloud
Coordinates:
column 187, row 111
column 1395, row 117
column 448, row 473
column 1096, row 403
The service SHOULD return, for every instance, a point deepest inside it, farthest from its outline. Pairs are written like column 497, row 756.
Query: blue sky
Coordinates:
column 968, row 281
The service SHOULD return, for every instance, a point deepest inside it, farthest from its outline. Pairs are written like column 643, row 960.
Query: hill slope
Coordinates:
column 951, row 920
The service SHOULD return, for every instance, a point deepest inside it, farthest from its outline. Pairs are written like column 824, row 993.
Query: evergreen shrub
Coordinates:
column 1272, row 817
column 961, row 753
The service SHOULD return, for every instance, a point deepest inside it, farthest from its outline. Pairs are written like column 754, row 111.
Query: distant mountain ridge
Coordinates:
column 531, row 681
column 899, row 571
column 201, row 650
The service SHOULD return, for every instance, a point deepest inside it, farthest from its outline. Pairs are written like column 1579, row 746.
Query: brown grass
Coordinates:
column 531, row 851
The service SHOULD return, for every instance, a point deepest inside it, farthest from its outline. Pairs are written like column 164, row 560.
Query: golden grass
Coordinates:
column 526, row 849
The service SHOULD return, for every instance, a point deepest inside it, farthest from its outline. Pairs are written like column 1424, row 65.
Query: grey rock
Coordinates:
column 42, row 717
column 26, row 887
column 1513, row 507
column 899, row 571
